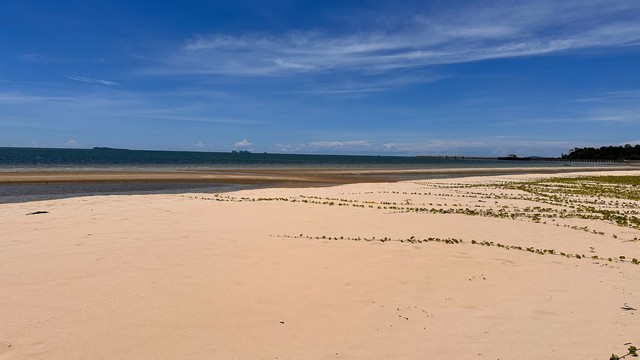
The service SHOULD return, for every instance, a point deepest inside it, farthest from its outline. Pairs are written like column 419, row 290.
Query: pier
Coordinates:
column 516, row 158
column 556, row 159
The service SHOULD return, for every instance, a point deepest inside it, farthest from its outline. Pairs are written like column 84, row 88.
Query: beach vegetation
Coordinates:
column 631, row 351
column 607, row 200
column 450, row 240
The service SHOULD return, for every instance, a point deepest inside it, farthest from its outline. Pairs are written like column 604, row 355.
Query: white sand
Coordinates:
column 184, row 277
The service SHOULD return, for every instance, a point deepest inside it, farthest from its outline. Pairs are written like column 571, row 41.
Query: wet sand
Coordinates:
column 290, row 176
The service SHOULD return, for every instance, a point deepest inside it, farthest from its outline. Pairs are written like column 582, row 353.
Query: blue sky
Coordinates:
column 343, row 77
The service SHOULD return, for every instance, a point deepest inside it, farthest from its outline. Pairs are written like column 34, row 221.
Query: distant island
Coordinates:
column 615, row 153
column 106, row 148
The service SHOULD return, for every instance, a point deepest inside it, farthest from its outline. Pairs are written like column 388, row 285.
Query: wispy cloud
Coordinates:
column 622, row 106
column 200, row 145
column 88, row 80
column 18, row 98
column 621, row 95
column 187, row 118
column 490, row 146
column 369, row 85
column 493, row 31
column 39, row 58
column 339, row 144
column 328, row 146
column 616, row 115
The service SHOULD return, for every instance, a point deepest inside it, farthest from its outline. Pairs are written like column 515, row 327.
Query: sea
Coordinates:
column 34, row 159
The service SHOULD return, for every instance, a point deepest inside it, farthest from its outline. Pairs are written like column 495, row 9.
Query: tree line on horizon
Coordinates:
column 626, row 152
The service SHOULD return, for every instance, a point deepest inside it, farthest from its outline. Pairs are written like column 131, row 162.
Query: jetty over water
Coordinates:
column 517, row 158
column 557, row 159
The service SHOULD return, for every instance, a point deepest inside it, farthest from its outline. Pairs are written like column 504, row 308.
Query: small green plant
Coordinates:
column 631, row 351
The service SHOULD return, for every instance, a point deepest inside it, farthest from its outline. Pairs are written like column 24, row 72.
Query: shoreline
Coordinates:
column 38, row 185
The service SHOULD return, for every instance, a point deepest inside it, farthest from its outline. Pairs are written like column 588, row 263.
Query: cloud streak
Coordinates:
column 88, row 80
column 489, row 146
column 369, row 85
column 18, row 98
column 500, row 30
column 620, row 107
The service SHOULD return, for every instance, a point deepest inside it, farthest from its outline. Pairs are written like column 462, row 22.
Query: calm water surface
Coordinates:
column 26, row 159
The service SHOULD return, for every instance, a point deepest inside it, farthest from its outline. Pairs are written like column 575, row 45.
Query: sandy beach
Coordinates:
column 476, row 267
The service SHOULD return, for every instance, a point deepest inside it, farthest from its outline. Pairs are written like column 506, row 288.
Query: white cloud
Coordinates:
column 72, row 142
column 243, row 144
column 457, row 35
column 88, row 80
column 292, row 65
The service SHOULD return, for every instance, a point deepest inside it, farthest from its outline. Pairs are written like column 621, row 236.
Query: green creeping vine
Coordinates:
column 631, row 351
column 414, row 240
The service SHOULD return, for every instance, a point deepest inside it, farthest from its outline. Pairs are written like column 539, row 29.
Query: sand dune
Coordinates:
column 441, row 269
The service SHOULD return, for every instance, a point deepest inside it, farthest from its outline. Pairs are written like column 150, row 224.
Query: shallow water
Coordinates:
column 14, row 193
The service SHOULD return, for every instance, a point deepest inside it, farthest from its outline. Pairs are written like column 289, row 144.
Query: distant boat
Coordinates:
column 241, row 152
